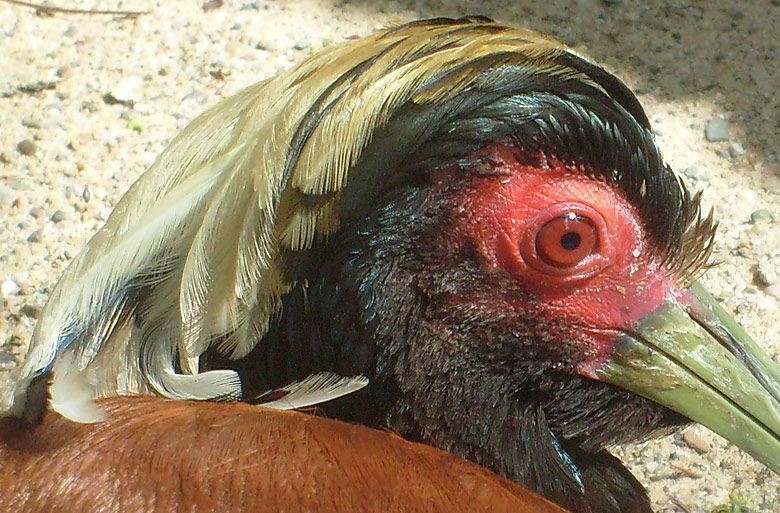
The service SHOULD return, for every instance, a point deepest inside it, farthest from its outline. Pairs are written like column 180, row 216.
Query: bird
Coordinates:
column 474, row 218
column 155, row 455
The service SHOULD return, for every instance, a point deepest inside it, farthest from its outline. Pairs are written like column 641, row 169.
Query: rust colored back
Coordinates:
column 158, row 456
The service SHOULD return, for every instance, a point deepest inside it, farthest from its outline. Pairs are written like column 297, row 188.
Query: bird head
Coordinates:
column 475, row 217
column 520, row 264
column 533, row 301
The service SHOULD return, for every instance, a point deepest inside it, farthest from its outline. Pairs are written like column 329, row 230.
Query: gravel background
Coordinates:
column 88, row 102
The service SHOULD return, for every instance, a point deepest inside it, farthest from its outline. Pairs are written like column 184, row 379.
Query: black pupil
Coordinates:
column 571, row 241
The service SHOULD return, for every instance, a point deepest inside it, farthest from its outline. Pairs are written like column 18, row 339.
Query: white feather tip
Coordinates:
column 315, row 389
column 71, row 394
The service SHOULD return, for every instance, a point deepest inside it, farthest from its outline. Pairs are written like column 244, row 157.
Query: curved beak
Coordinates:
column 692, row 357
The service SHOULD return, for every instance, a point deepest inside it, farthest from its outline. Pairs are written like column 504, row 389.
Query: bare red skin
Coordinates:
column 610, row 291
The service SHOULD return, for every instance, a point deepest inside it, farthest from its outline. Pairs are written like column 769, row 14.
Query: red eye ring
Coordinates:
column 567, row 240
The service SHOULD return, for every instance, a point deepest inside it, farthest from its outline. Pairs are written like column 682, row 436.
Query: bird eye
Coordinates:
column 566, row 240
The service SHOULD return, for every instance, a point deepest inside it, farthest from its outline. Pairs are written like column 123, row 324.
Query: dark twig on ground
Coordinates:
column 49, row 9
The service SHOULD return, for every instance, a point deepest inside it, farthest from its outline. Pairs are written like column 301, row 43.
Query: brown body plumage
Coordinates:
column 154, row 455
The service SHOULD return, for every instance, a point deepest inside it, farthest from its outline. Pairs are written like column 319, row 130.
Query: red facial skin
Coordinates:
column 610, row 290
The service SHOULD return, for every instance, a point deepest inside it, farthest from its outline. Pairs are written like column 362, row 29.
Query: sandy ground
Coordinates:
column 689, row 61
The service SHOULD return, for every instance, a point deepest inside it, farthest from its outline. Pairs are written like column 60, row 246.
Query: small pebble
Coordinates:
column 766, row 272
column 35, row 236
column 696, row 441
column 766, row 303
column 6, row 356
column 233, row 48
column 760, row 216
column 128, row 115
column 722, row 480
column 736, row 150
column 212, row 5
column 86, row 195
column 26, row 147
column 31, row 311
column 717, row 129
column 64, row 71
column 37, row 212
column 58, row 216
column 268, row 42
column 9, row 288
column 31, row 123
column 127, row 91
column 746, row 196
column 692, row 172
column 90, row 106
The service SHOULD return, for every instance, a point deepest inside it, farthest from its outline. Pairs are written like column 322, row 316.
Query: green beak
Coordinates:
column 692, row 357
